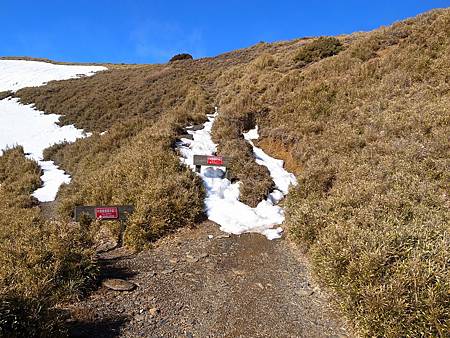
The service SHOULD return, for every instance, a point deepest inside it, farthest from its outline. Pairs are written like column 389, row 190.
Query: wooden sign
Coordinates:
column 217, row 160
column 211, row 160
column 104, row 213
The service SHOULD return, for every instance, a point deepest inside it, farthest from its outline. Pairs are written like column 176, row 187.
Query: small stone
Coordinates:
column 304, row 292
column 238, row 272
column 191, row 259
column 223, row 236
column 260, row 286
column 106, row 246
column 210, row 236
column 117, row 284
column 153, row 311
column 139, row 318
column 173, row 260
column 167, row 271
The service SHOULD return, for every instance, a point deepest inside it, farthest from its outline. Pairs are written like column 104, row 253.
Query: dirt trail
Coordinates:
column 190, row 285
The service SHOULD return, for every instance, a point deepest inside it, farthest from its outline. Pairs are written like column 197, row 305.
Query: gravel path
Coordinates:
column 190, row 285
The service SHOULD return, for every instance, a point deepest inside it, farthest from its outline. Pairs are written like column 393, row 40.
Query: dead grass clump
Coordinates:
column 19, row 177
column 165, row 194
column 227, row 132
column 42, row 262
column 263, row 61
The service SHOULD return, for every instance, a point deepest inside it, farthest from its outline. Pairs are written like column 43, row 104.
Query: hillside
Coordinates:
column 362, row 120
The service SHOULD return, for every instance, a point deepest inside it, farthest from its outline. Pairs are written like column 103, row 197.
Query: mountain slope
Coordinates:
column 362, row 119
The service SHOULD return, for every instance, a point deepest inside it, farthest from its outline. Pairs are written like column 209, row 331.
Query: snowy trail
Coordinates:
column 222, row 201
column 24, row 125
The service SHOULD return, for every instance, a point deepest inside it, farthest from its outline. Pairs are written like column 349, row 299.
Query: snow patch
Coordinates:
column 280, row 176
column 17, row 74
column 34, row 131
column 222, row 200
column 24, row 125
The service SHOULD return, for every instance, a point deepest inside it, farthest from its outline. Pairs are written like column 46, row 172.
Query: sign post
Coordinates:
column 105, row 213
column 211, row 161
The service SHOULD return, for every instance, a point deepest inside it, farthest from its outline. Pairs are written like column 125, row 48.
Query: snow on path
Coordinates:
column 222, row 197
column 24, row 125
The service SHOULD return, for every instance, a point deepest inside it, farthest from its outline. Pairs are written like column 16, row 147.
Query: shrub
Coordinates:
column 182, row 56
column 317, row 50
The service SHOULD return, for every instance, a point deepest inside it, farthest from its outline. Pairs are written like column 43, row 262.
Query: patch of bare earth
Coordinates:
column 191, row 285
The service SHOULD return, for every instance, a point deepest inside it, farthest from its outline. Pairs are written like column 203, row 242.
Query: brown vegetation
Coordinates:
column 369, row 129
column 42, row 262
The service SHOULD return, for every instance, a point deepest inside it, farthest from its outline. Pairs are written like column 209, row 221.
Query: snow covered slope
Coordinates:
column 23, row 125
column 222, row 200
column 16, row 74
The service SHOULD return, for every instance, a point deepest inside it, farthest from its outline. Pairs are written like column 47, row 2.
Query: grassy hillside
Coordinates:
column 363, row 120
column 42, row 262
column 367, row 130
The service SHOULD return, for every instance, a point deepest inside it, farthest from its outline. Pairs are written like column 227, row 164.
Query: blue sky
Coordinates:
column 138, row 31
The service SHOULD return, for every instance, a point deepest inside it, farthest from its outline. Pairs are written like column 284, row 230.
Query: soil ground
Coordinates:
column 192, row 285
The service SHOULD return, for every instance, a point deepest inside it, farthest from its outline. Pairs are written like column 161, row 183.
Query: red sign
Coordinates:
column 217, row 160
column 106, row 213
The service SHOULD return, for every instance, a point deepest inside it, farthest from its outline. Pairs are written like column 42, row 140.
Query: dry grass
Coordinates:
column 42, row 262
column 134, row 163
column 368, row 129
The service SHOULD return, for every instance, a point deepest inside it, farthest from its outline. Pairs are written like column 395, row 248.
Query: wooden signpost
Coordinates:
column 211, row 161
column 104, row 213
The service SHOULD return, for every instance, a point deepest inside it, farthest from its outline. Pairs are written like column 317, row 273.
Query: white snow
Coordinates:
column 17, row 74
column 222, row 201
column 24, row 125
column 280, row 176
